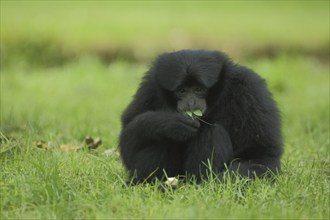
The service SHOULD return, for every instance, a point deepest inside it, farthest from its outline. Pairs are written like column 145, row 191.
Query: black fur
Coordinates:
column 155, row 137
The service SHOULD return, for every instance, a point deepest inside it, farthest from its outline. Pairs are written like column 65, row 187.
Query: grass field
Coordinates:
column 48, row 29
column 62, row 104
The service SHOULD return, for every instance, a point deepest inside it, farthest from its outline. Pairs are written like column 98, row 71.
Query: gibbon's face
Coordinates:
column 188, row 76
column 191, row 98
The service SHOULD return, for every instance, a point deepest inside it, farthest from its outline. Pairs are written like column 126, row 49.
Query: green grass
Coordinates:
column 61, row 104
column 64, row 104
column 144, row 28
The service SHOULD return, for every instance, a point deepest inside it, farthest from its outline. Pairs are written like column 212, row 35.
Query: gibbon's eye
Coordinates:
column 182, row 91
column 198, row 89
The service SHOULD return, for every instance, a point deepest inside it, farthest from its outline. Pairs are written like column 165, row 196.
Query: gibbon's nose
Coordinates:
column 191, row 104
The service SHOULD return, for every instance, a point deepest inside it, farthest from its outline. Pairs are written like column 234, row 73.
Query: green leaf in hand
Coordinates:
column 190, row 114
column 194, row 114
column 198, row 113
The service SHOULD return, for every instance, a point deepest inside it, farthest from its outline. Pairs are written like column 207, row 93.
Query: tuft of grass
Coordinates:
column 64, row 104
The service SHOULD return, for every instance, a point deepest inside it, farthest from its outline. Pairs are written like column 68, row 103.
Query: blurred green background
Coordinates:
column 52, row 32
column 69, row 69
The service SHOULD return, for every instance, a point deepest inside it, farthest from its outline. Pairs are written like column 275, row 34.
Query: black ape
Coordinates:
column 239, row 126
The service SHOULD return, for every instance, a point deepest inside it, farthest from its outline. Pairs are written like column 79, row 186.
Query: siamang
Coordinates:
column 197, row 112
